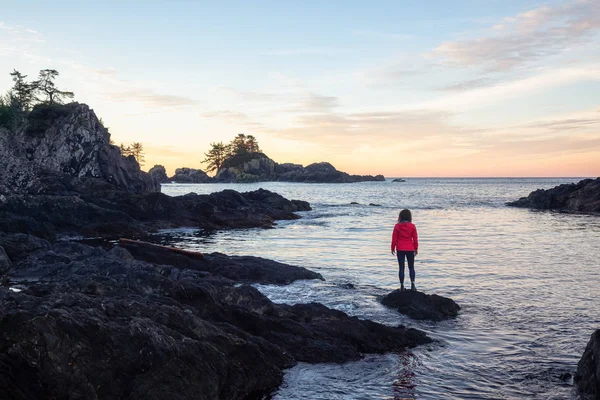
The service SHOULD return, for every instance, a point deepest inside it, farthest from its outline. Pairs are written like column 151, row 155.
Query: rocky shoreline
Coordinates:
column 137, row 320
column 583, row 197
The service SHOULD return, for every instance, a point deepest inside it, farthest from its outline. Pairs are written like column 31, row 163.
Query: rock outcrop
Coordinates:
column 583, row 196
column 257, row 167
column 421, row 306
column 91, row 323
column 57, row 142
column 190, row 175
column 100, row 211
column 587, row 378
column 159, row 174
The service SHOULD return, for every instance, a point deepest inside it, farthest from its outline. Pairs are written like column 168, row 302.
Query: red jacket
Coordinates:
column 405, row 237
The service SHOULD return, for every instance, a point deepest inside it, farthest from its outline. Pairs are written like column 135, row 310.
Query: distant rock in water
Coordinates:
column 257, row 167
column 421, row 306
column 583, row 196
column 190, row 175
column 587, row 378
column 159, row 173
column 399, row 180
column 58, row 142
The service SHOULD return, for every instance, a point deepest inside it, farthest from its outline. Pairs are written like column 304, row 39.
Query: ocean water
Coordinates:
column 527, row 282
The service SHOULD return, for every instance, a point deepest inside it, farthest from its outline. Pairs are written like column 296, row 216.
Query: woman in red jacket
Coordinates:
column 405, row 243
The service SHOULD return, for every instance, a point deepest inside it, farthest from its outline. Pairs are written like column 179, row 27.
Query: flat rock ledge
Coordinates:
column 421, row 306
column 587, row 378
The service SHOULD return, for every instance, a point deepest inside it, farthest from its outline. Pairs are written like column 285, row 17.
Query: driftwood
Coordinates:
column 195, row 255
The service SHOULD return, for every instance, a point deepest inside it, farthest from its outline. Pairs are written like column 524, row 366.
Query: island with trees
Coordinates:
column 243, row 161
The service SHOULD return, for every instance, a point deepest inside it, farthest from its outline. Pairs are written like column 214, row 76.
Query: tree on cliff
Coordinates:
column 137, row 150
column 216, row 155
column 252, row 144
column 22, row 95
column 46, row 86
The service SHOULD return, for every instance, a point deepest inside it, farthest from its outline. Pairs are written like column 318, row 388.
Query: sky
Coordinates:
column 429, row 88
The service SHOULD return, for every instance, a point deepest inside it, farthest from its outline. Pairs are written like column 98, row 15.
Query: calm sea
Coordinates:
column 527, row 282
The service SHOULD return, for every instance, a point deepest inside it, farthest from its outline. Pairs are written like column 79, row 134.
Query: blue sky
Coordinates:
column 404, row 88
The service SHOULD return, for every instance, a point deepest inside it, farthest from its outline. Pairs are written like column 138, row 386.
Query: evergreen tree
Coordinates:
column 238, row 145
column 137, row 150
column 22, row 95
column 46, row 86
column 216, row 156
column 252, row 144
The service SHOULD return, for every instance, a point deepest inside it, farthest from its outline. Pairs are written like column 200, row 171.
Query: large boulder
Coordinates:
column 587, row 377
column 64, row 140
column 159, row 174
column 421, row 306
column 583, row 196
column 190, row 175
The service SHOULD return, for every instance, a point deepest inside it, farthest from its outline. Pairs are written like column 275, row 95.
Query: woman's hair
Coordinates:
column 405, row 215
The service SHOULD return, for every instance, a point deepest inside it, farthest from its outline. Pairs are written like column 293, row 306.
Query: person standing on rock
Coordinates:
column 405, row 244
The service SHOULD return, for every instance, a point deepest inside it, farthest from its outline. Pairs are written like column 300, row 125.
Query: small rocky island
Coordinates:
column 583, row 196
column 242, row 161
column 132, row 319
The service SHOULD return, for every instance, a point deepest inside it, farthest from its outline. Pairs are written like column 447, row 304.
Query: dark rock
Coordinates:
column 583, row 196
column 354, row 202
column 236, row 268
column 5, row 263
column 374, row 205
column 190, row 175
column 59, row 142
column 421, row 306
column 587, row 377
column 19, row 245
column 101, row 211
column 257, row 167
column 159, row 174
column 347, row 286
column 248, row 167
column 98, row 324
column 399, row 180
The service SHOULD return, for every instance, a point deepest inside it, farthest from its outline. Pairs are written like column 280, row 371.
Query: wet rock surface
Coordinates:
column 421, row 306
column 112, row 213
column 583, row 196
column 91, row 323
column 587, row 378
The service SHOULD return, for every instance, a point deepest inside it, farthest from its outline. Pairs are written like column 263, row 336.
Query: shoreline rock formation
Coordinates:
column 85, row 322
column 159, row 173
column 583, row 196
column 58, row 142
column 257, row 167
column 421, row 306
column 140, row 321
column 587, row 377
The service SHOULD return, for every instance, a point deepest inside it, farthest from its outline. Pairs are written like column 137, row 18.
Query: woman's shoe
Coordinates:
column 413, row 288
column 402, row 289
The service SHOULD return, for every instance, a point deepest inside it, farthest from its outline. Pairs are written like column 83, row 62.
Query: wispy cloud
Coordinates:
column 527, row 37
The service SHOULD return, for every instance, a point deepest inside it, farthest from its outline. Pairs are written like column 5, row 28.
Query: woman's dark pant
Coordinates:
column 410, row 256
